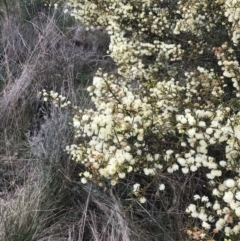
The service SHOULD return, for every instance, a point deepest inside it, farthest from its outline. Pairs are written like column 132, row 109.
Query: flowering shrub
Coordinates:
column 169, row 105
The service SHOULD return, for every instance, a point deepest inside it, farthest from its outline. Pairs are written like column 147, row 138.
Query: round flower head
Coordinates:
column 142, row 199
column 229, row 183
column 161, row 187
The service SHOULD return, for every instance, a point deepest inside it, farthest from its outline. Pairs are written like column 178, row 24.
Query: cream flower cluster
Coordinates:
column 121, row 19
column 223, row 214
column 232, row 12
column 196, row 17
column 118, row 129
column 229, row 65
column 151, row 116
column 58, row 100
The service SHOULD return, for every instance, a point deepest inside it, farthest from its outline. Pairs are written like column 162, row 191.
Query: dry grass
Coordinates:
column 38, row 54
column 51, row 205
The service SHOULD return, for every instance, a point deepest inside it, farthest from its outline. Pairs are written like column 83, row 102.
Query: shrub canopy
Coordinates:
column 172, row 105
